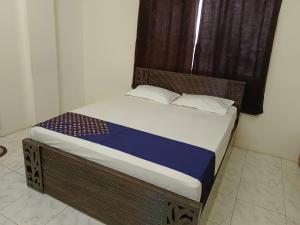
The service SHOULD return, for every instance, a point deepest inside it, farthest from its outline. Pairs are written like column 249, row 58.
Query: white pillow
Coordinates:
column 205, row 103
column 157, row 94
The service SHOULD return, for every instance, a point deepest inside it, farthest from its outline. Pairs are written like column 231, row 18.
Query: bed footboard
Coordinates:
column 102, row 193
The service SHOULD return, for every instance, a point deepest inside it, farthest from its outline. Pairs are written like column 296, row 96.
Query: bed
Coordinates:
column 117, row 188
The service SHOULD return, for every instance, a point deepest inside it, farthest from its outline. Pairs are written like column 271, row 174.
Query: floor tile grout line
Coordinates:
column 15, row 171
column 7, row 167
column 286, row 220
column 9, row 174
column 22, row 132
column 283, row 183
column 260, row 183
column 23, row 196
column 257, row 206
column 11, row 139
column 266, row 185
column 58, row 214
column 285, row 215
column 22, row 166
column 219, row 192
column 239, row 186
column 16, row 200
column 253, row 205
column 14, row 142
column 20, row 173
column 15, row 147
column 14, row 222
column 12, row 170
column 262, row 153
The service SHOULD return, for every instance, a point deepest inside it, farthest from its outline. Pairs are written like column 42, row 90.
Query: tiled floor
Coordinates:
column 256, row 190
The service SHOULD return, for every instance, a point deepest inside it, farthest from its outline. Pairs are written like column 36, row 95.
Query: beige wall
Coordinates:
column 109, row 29
column 69, row 37
column 16, row 109
column 43, row 56
column 28, row 64
column 277, row 131
column 109, row 37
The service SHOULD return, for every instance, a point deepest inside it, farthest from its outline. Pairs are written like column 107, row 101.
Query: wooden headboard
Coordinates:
column 191, row 84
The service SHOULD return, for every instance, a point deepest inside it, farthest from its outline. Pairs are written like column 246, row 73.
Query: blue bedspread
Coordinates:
column 188, row 159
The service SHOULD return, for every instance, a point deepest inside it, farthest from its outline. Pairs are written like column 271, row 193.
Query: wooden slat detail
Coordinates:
column 191, row 84
column 107, row 195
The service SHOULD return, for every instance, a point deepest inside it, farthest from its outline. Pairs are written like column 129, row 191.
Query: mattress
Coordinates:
column 203, row 129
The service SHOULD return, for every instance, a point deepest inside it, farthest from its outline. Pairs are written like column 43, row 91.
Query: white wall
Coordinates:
column 28, row 64
column 109, row 29
column 277, row 131
column 16, row 106
column 68, row 15
column 42, row 41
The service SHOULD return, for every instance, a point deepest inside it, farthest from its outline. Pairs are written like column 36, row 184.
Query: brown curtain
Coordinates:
column 235, row 42
column 166, row 34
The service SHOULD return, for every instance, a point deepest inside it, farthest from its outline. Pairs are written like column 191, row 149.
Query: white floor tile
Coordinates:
column 4, row 171
column 211, row 223
column 238, row 154
column 262, row 160
column 21, row 171
column 247, row 214
column 290, row 168
column 33, row 209
column 264, row 196
column 292, row 221
column 14, row 157
column 233, row 171
column 222, row 210
column 12, row 188
column 229, row 187
column 6, row 141
column 5, row 221
column 262, row 169
column 208, row 223
column 292, row 203
column 19, row 136
column 73, row 217
column 291, row 182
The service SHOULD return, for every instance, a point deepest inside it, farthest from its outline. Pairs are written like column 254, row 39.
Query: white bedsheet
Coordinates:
column 203, row 129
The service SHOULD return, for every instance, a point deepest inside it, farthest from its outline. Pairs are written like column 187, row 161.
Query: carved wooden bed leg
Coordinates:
column 33, row 165
column 180, row 215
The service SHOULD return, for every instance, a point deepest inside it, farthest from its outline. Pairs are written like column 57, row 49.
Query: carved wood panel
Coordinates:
column 235, row 92
column 33, row 168
column 179, row 215
column 141, row 77
column 191, row 84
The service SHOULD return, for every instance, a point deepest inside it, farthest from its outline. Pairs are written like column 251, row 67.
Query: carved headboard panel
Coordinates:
column 191, row 84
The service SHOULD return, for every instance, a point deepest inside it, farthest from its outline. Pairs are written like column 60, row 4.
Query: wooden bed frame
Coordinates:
column 113, row 197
